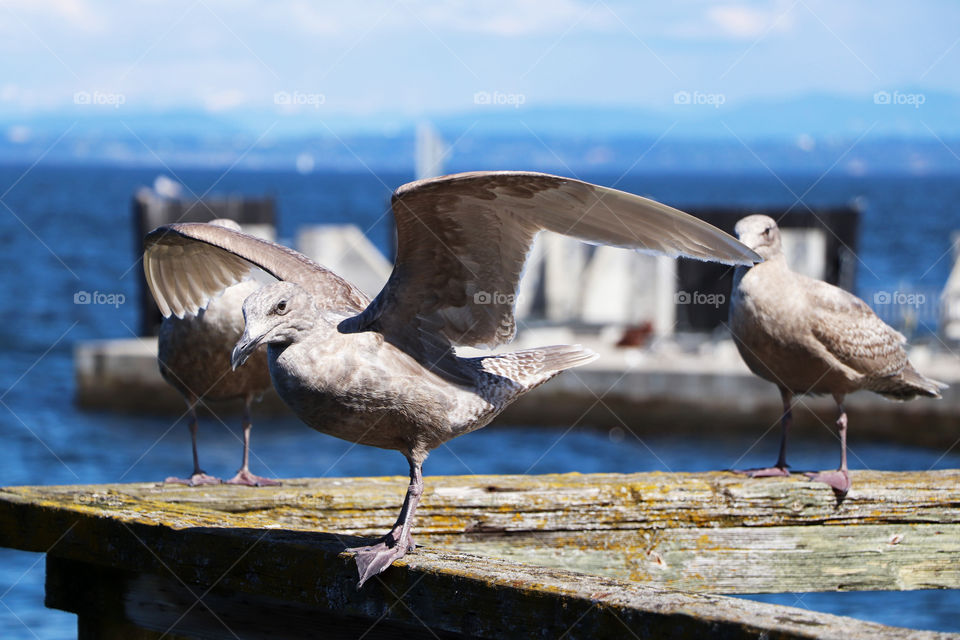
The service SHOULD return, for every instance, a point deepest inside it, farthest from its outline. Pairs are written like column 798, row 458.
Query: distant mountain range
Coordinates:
column 890, row 131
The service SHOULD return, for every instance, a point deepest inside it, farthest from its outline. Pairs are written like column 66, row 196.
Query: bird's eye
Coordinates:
column 766, row 232
column 281, row 307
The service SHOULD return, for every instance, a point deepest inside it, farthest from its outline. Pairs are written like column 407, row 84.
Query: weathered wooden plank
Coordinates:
column 453, row 593
column 153, row 606
column 716, row 532
column 742, row 559
column 254, row 543
column 452, row 504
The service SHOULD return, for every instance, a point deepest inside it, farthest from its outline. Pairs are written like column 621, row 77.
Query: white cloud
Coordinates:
column 510, row 18
column 10, row 93
column 315, row 19
column 16, row 98
column 741, row 21
column 223, row 100
column 77, row 13
column 18, row 134
column 421, row 56
column 504, row 18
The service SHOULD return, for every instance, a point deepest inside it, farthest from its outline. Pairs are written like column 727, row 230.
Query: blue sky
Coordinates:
column 416, row 58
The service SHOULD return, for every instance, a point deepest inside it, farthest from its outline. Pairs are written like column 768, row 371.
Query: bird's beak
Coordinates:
column 242, row 350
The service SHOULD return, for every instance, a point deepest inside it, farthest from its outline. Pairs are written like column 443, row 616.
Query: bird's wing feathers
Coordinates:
column 463, row 240
column 187, row 264
column 849, row 329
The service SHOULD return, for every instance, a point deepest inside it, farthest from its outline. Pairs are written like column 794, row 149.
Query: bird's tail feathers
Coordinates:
column 908, row 384
column 532, row 367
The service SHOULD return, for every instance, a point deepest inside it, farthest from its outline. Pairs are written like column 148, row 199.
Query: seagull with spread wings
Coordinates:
column 384, row 372
column 193, row 352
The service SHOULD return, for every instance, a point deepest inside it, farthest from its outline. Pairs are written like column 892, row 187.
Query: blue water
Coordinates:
column 69, row 230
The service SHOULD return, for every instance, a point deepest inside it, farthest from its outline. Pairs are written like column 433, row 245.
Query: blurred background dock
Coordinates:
column 658, row 323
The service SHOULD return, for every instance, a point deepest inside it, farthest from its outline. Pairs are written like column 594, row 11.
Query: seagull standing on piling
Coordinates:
column 808, row 336
column 193, row 351
column 385, row 373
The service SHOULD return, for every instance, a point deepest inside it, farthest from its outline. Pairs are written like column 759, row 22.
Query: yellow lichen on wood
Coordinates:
column 710, row 532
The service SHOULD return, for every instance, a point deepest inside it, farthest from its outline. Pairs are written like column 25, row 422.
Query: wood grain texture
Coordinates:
column 635, row 539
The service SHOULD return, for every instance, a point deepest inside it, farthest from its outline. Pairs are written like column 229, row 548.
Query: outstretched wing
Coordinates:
column 187, row 264
column 463, row 240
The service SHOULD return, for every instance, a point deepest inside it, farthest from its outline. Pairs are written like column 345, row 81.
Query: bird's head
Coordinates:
column 761, row 234
column 273, row 314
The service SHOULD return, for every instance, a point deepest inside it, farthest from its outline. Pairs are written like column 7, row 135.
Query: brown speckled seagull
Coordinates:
column 385, row 373
column 808, row 336
column 193, row 352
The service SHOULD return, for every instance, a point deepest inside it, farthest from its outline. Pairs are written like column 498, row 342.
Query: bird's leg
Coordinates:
column 781, row 468
column 375, row 558
column 838, row 480
column 244, row 476
column 199, row 476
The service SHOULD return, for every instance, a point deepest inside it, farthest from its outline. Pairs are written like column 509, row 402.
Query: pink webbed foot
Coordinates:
column 195, row 480
column 837, row 480
column 252, row 480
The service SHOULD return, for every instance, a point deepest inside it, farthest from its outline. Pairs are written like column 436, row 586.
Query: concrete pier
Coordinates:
column 686, row 388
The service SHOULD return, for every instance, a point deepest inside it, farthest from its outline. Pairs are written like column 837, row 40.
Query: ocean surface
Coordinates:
column 65, row 230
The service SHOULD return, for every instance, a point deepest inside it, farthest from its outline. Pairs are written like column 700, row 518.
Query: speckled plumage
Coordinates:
column 808, row 336
column 194, row 351
column 362, row 388
column 385, row 373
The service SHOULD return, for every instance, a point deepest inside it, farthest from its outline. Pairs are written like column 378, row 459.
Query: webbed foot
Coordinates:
column 197, row 479
column 375, row 558
column 252, row 480
column 838, row 480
